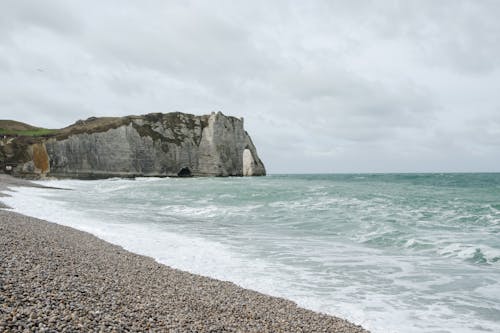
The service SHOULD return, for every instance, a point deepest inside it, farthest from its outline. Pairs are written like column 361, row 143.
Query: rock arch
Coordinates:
column 248, row 163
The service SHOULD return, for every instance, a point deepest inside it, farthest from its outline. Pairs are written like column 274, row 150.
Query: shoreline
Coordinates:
column 56, row 278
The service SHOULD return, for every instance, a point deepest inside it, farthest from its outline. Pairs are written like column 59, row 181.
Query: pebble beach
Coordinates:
column 58, row 279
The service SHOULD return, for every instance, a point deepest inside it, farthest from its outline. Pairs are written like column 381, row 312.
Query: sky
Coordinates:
column 324, row 86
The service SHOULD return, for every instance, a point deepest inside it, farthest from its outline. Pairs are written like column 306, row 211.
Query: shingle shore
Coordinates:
column 58, row 279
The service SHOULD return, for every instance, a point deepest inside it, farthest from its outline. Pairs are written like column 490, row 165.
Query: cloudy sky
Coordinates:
column 324, row 86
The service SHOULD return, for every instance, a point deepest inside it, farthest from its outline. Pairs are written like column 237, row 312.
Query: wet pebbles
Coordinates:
column 57, row 279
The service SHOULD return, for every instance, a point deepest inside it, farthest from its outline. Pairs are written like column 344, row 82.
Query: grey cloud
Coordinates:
column 486, row 134
column 323, row 86
column 184, row 41
column 461, row 35
column 4, row 63
column 340, row 102
column 54, row 15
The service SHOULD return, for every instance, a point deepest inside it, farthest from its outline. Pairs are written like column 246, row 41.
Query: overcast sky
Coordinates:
column 324, row 86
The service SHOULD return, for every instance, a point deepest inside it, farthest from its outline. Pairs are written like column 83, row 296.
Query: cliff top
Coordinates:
column 17, row 128
column 90, row 125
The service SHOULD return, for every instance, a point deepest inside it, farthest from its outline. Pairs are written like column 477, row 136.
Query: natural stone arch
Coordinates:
column 248, row 163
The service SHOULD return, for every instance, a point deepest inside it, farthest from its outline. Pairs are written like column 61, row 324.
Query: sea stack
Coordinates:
column 155, row 145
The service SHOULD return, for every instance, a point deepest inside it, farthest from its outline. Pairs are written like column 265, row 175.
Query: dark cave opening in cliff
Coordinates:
column 185, row 172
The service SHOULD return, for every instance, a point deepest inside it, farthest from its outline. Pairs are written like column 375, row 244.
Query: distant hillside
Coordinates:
column 12, row 127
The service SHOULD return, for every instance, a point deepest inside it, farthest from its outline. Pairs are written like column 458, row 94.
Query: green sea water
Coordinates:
column 392, row 252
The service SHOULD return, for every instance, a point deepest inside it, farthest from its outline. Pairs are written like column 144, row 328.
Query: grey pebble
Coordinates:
column 57, row 279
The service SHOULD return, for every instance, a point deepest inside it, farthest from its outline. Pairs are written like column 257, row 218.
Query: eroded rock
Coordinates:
column 172, row 144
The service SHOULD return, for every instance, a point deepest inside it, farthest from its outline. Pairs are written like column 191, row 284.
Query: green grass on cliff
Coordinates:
column 12, row 127
column 34, row 132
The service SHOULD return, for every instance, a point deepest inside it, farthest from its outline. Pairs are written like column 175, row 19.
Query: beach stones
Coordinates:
column 57, row 279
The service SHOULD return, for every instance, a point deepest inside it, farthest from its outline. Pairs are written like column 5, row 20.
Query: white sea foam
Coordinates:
column 412, row 242
column 474, row 252
column 403, row 282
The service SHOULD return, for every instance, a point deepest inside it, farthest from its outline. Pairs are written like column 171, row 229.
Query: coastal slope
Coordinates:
column 157, row 144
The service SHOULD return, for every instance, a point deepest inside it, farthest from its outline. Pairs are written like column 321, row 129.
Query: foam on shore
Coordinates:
column 57, row 277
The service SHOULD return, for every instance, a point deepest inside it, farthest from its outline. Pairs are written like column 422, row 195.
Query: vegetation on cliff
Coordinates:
column 17, row 128
column 155, row 144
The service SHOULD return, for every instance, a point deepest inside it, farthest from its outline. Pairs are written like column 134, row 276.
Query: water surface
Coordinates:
column 392, row 252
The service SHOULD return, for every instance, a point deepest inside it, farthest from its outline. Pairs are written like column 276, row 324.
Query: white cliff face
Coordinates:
column 172, row 144
column 222, row 144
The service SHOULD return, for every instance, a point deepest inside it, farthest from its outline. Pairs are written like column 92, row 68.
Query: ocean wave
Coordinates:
column 416, row 244
column 477, row 254
column 426, row 254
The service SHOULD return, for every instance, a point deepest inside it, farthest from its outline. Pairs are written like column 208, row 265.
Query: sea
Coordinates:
column 390, row 252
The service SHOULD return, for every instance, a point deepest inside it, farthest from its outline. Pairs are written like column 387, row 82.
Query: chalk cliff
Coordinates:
column 172, row 144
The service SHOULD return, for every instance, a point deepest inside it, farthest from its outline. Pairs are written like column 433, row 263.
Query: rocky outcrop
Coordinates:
column 172, row 144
